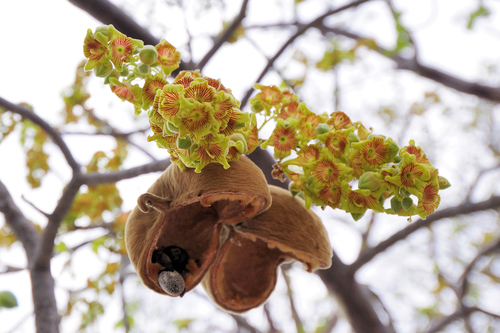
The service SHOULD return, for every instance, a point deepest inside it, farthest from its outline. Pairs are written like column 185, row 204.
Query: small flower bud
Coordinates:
column 368, row 181
column 148, row 55
column 184, row 143
column 241, row 143
column 393, row 149
column 404, row 193
column 124, row 72
column 395, row 205
column 322, row 129
column 103, row 29
column 114, row 74
column 294, row 189
column 397, row 159
column 407, row 203
column 143, row 69
column 172, row 128
column 103, row 69
column 357, row 216
column 353, row 137
column 443, row 183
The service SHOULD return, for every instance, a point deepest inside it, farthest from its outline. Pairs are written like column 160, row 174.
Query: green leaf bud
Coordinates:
column 239, row 126
column 353, row 137
column 294, row 189
column 143, row 69
column 404, row 193
column 184, row 143
column 7, row 300
column 103, row 69
column 124, row 72
column 395, row 205
column 368, row 181
column 407, row 203
column 443, row 183
column 148, row 55
column 357, row 216
column 393, row 148
column 322, row 129
column 241, row 142
column 397, row 159
column 103, row 29
column 172, row 128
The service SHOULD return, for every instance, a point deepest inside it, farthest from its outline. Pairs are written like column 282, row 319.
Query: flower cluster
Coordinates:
column 325, row 156
column 195, row 118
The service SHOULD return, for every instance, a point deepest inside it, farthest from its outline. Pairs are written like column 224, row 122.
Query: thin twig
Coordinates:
column 96, row 178
column 11, row 269
column 369, row 254
column 22, row 228
column 225, row 36
column 461, row 312
column 301, row 30
column 54, row 135
column 272, row 328
column 463, row 281
column 47, row 215
column 448, row 80
column 298, row 323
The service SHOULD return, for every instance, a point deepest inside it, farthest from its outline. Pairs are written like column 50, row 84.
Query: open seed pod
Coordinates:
column 245, row 271
column 176, row 226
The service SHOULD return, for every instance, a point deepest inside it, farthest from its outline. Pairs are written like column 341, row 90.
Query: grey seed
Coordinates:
column 171, row 282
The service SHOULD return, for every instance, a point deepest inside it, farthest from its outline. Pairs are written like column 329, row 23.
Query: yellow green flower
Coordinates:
column 168, row 57
column 283, row 139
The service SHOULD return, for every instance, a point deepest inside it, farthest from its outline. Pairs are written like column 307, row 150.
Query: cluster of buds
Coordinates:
column 195, row 118
column 325, row 156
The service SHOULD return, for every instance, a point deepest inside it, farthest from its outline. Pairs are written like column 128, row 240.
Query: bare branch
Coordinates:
column 467, row 208
column 270, row 321
column 124, row 263
column 92, row 179
column 11, row 269
column 463, row 281
column 108, row 13
column 55, row 135
column 46, row 246
column 35, row 207
column 301, row 30
column 461, row 312
column 448, row 80
column 19, row 224
column 225, row 36
column 243, row 324
column 295, row 315
column 339, row 279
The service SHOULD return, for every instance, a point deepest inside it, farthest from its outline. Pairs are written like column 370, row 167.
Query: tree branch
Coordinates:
column 55, row 135
column 339, row 279
column 461, row 312
column 448, row 80
column 46, row 246
column 92, row 179
column 467, row 208
column 108, row 13
column 301, row 29
column 19, row 224
column 225, row 36
column 463, row 281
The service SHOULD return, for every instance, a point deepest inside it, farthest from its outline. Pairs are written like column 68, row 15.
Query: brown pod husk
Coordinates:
column 185, row 209
column 245, row 271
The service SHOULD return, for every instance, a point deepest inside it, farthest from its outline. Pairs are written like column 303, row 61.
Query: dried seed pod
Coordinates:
column 245, row 271
column 184, row 209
